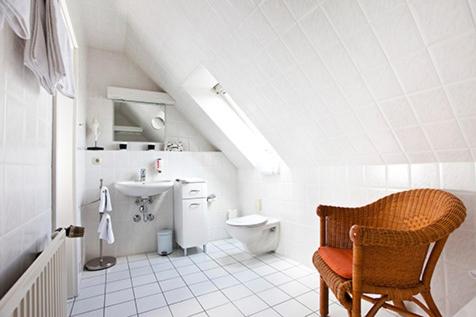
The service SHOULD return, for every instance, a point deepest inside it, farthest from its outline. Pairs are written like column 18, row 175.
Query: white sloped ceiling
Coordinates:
column 366, row 81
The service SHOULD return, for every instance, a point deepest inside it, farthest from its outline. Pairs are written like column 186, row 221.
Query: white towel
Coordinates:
column 60, row 49
column 105, row 203
column 35, row 55
column 17, row 14
column 2, row 18
column 105, row 229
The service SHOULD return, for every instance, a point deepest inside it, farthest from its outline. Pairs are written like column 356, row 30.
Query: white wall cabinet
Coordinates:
column 190, row 213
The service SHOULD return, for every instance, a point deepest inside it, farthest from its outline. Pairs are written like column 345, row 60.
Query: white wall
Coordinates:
column 132, row 238
column 105, row 68
column 25, row 162
column 294, row 196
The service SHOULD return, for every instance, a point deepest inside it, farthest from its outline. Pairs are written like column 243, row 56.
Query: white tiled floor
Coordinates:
column 227, row 281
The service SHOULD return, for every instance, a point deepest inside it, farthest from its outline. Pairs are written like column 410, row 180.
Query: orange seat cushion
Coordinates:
column 339, row 260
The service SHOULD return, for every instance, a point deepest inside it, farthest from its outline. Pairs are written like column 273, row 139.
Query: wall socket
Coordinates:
column 259, row 205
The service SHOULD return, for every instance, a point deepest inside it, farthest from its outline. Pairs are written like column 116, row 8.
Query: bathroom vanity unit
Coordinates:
column 190, row 213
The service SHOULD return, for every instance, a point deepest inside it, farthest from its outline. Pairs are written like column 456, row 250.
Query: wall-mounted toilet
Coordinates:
column 259, row 234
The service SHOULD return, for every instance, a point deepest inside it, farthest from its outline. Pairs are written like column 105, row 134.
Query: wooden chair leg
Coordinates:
column 431, row 304
column 324, row 299
column 356, row 304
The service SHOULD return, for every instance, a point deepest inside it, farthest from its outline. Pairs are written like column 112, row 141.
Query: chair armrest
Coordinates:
column 324, row 211
column 380, row 237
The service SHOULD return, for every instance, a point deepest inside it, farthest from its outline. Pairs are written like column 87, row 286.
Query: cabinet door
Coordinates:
column 195, row 231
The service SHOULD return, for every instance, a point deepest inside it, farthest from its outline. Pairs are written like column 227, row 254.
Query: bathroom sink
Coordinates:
column 143, row 189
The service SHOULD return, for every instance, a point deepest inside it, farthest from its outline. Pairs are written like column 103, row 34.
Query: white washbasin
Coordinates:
column 143, row 189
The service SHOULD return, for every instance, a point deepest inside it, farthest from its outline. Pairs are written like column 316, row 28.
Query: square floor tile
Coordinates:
column 158, row 260
column 292, row 308
column 215, row 273
column 91, row 291
column 237, row 292
column 173, row 283
column 310, row 300
column 227, row 310
column 121, row 310
column 150, row 302
column 117, row 276
column 94, row 313
column 88, row 304
column 181, row 261
column 263, row 270
column 242, row 256
column 119, row 296
column 259, row 285
column 311, row 281
column 161, row 312
column 268, row 313
column 225, row 260
column 281, row 265
column 208, row 265
column 235, row 268
column 147, row 289
column 294, row 288
column 336, row 310
column 212, row 300
column 162, row 267
column 177, row 295
column 202, row 288
column 141, row 271
column 186, row 308
column 217, row 253
column 273, row 296
column 189, row 269
column 166, row 275
column 200, row 257
column 253, row 263
column 195, row 278
column 118, row 285
column 297, row 272
column 225, row 281
column 92, row 281
column 143, row 279
column 139, row 264
column 245, row 276
column 250, row 305
column 278, row 278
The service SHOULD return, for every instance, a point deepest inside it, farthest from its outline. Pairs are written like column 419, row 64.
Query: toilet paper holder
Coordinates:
column 472, row 274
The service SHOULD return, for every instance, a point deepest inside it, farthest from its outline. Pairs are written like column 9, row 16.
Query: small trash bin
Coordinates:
column 164, row 242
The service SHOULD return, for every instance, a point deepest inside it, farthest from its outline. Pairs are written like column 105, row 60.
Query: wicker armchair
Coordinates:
column 388, row 249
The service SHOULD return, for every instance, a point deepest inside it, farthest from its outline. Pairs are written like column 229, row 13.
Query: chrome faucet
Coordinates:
column 142, row 175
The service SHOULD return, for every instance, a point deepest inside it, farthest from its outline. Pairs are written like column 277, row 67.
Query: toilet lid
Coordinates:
column 247, row 221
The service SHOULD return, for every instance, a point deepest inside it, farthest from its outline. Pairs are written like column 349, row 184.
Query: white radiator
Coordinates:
column 41, row 290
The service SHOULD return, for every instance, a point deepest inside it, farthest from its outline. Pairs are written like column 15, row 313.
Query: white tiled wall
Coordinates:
column 105, row 68
column 294, row 196
column 132, row 238
column 25, row 162
column 363, row 81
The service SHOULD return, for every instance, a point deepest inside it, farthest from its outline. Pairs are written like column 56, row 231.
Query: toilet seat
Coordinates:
column 247, row 221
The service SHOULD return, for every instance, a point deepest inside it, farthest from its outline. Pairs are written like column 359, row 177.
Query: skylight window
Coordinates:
column 232, row 121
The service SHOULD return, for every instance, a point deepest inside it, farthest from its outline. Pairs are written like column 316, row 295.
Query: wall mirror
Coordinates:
column 139, row 122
